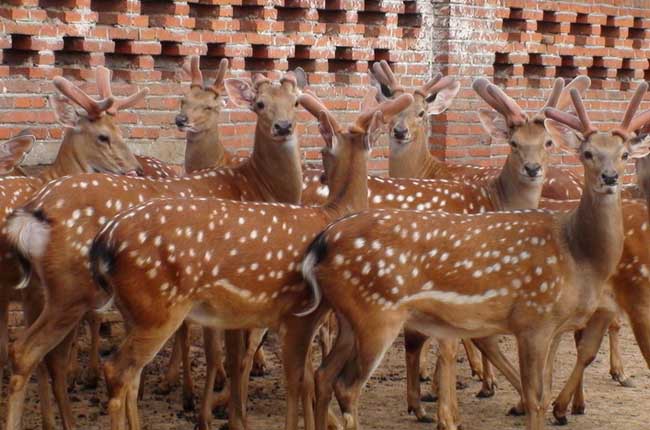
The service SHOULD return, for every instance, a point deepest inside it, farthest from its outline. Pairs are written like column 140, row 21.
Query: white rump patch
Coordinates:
column 28, row 234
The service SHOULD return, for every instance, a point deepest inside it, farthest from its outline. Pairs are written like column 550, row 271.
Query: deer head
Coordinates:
column 345, row 155
column 274, row 104
column 529, row 142
column 603, row 154
column 93, row 142
column 412, row 124
column 13, row 151
column 201, row 106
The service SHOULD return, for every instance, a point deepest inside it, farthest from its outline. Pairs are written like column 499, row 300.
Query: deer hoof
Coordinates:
column 578, row 410
column 188, row 403
column 486, row 393
column 429, row 398
column 625, row 381
column 516, row 412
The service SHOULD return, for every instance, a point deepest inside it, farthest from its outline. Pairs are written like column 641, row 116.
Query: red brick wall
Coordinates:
column 523, row 45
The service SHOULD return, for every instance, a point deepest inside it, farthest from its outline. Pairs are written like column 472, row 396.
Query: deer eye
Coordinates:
column 421, row 114
column 296, row 104
column 548, row 143
column 259, row 105
column 588, row 155
column 513, row 144
column 104, row 138
column 625, row 156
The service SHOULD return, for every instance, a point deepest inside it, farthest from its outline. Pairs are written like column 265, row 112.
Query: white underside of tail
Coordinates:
column 29, row 234
column 308, row 265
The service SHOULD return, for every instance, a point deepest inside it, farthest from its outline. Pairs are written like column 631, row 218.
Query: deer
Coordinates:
column 409, row 156
column 532, row 287
column 92, row 142
column 262, row 246
column 60, row 260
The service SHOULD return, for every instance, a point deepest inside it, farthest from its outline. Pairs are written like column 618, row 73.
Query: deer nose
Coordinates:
column 610, row 179
column 181, row 120
column 400, row 132
column 532, row 169
column 283, row 128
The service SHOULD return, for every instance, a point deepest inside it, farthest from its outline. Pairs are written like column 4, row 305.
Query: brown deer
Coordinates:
column 92, row 142
column 409, row 155
column 535, row 287
column 70, row 219
column 241, row 265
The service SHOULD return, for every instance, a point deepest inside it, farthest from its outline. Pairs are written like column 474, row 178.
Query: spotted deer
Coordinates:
column 241, row 266
column 65, row 221
column 534, row 286
column 409, row 155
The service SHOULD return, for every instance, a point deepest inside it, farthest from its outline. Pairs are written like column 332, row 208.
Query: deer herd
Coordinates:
column 241, row 245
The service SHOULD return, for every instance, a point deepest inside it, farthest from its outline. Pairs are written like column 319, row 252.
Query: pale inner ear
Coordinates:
column 64, row 111
column 494, row 124
column 240, row 92
column 564, row 137
column 641, row 148
column 326, row 129
column 375, row 128
column 443, row 99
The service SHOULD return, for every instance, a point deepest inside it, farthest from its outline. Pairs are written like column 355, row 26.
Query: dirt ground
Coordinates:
column 609, row 406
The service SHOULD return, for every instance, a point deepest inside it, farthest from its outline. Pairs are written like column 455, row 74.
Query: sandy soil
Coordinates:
column 609, row 406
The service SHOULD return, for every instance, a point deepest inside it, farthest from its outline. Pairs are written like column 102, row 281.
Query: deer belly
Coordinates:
column 228, row 318
column 439, row 326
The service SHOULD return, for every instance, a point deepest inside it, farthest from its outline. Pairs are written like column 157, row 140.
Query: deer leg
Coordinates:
column 616, row 368
column 188, row 384
column 45, row 400
column 533, row 353
column 123, row 371
column 549, row 367
column 259, row 362
column 588, row 342
column 414, row 343
column 4, row 331
column 57, row 361
column 333, row 364
column 235, row 345
column 489, row 347
column 447, row 398
column 173, row 371
column 640, row 322
column 489, row 380
column 212, row 359
column 254, row 339
column 28, row 350
column 93, row 371
column 473, row 358
column 424, row 372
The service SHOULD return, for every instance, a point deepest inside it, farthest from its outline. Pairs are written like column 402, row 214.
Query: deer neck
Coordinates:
column 351, row 192
column 66, row 162
column 275, row 168
column 594, row 232
column 509, row 192
column 204, row 150
column 414, row 161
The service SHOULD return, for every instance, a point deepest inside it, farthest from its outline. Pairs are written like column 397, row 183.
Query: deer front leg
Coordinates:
column 489, row 380
column 235, row 348
column 188, row 384
column 170, row 378
column 92, row 374
column 414, row 343
column 212, row 348
column 474, row 359
column 447, row 398
column 533, row 352
column 616, row 368
column 588, row 341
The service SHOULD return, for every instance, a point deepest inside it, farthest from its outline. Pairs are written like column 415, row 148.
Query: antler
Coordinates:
column 93, row 107
column 581, row 83
column 580, row 123
column 388, row 109
column 193, row 70
column 315, row 106
column 386, row 78
column 104, row 87
column 435, row 85
column 499, row 101
column 554, row 97
column 631, row 123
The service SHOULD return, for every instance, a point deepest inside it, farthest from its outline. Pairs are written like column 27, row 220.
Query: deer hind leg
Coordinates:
column 424, row 372
column 474, row 359
column 489, row 347
column 173, row 371
column 29, row 349
column 414, row 344
column 616, row 368
column 588, row 342
column 211, row 344
column 91, row 377
column 123, row 371
column 371, row 348
column 188, row 384
column 259, row 362
column 489, row 382
column 45, row 399
column 57, row 362
column 533, row 353
column 235, row 348
column 447, row 399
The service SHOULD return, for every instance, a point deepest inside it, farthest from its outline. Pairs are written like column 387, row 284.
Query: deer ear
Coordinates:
column 326, row 129
column 375, row 129
column 443, row 99
column 564, row 137
column 64, row 110
column 241, row 92
column 14, row 150
column 494, row 124
column 301, row 77
column 640, row 148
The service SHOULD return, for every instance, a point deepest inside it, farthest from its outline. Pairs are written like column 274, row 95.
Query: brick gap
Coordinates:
column 597, row 72
column 341, row 66
column 514, row 23
column 411, row 19
column 291, row 14
column 502, row 68
column 248, row 12
column 106, row 6
column 371, row 18
column 309, row 65
column 548, row 24
column 155, row 7
column 18, row 57
column 326, row 16
column 581, row 29
column 625, row 74
column 204, row 11
column 170, row 66
column 382, row 54
column 72, row 62
column 567, row 69
column 252, row 64
column 120, row 61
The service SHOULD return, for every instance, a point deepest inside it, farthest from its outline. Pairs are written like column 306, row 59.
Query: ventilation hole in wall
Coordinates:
column 514, row 23
column 170, row 66
column 18, row 57
column 534, row 69
column 206, row 15
column 625, row 74
column 503, row 69
column 581, row 29
column 382, row 54
column 548, row 24
column 341, row 66
column 307, row 64
column 327, row 16
column 70, row 58
column 567, row 69
column 597, row 72
column 637, row 33
column 610, row 32
column 410, row 20
column 373, row 22
column 258, row 64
